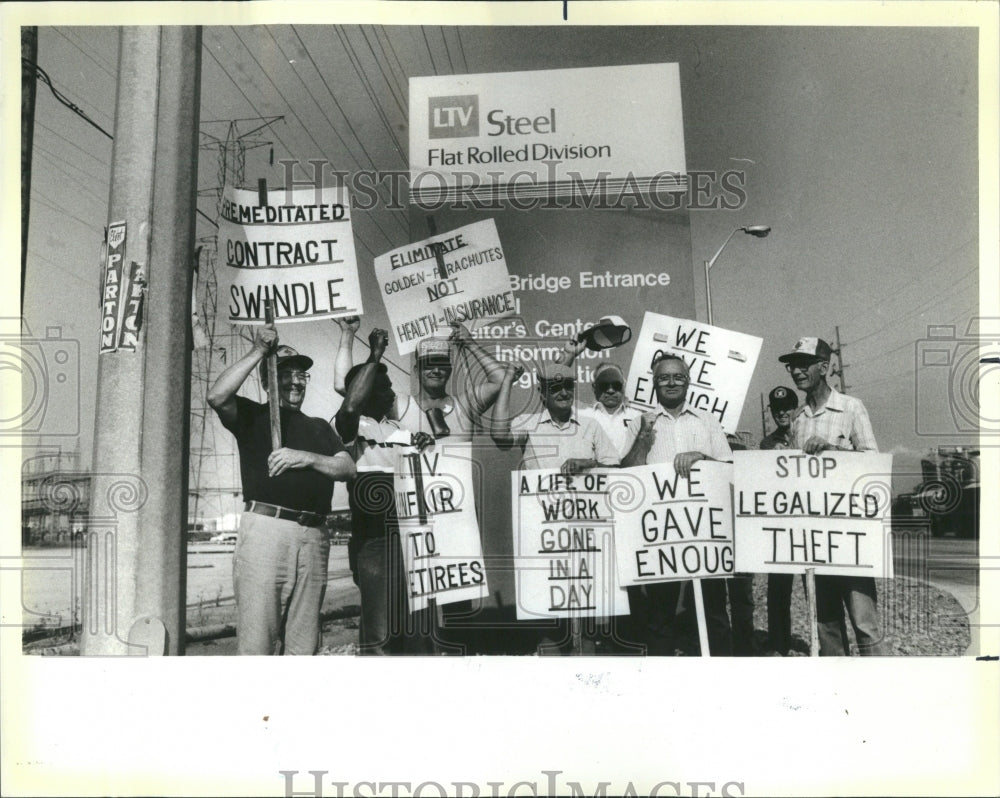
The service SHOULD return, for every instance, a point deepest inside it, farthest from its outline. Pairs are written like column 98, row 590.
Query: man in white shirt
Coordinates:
column 619, row 420
column 683, row 435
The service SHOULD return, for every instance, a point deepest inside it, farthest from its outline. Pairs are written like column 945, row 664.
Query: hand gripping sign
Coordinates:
column 563, row 552
column 297, row 250
column 668, row 528
column 827, row 512
column 438, row 531
column 721, row 363
column 421, row 298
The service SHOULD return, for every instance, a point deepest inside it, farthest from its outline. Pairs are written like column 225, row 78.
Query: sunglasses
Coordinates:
column 608, row 386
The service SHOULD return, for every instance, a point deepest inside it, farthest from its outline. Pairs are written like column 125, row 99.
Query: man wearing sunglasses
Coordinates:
column 280, row 563
column 683, row 435
column 830, row 420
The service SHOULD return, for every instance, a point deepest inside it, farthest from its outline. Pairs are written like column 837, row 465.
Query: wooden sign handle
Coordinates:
column 272, row 385
column 699, row 611
column 813, row 623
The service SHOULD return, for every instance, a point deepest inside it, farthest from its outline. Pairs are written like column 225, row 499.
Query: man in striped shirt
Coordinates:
column 829, row 420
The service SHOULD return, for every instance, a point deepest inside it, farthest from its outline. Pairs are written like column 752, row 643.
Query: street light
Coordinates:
column 755, row 230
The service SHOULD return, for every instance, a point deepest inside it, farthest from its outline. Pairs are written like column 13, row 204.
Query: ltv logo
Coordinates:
column 453, row 117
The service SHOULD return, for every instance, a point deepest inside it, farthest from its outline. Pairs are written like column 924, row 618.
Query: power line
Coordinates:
column 73, row 179
column 43, row 76
column 447, row 51
column 71, row 143
column 87, row 55
column 62, row 269
column 461, row 48
column 399, row 80
column 96, row 178
column 36, row 197
column 427, row 42
column 385, row 77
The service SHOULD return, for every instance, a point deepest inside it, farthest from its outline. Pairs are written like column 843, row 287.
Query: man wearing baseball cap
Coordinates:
column 280, row 563
column 830, row 420
column 782, row 402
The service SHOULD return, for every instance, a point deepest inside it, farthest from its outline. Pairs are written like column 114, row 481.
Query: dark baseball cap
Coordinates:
column 782, row 398
column 556, row 381
column 287, row 358
column 814, row 348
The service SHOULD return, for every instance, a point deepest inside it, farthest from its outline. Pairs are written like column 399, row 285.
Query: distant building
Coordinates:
column 949, row 494
column 55, row 499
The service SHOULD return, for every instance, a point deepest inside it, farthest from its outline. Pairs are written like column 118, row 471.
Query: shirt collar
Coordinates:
column 662, row 411
column 547, row 419
column 834, row 401
column 600, row 408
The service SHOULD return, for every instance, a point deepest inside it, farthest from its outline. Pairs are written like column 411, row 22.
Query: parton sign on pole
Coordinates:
column 296, row 250
column 720, row 362
column 420, row 300
column 549, row 133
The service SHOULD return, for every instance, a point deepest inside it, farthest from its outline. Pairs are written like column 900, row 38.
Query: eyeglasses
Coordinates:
column 608, row 386
column 790, row 367
column 784, row 412
column 671, row 379
column 293, row 376
column 558, row 387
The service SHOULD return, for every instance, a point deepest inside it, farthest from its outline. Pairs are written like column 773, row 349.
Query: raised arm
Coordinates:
column 484, row 374
column 500, row 419
column 643, row 442
column 345, row 351
column 222, row 395
column 347, row 417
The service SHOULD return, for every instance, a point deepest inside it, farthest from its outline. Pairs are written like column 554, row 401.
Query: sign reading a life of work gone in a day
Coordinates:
column 828, row 512
column 563, row 545
column 669, row 528
column 720, row 363
column 553, row 132
column 438, row 531
column 297, row 251
column 422, row 296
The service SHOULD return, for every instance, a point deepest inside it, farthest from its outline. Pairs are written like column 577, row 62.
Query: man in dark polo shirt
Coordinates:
column 280, row 564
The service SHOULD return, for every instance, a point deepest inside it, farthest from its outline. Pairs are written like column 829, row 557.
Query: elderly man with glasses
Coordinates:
column 683, row 435
column 280, row 563
column 830, row 420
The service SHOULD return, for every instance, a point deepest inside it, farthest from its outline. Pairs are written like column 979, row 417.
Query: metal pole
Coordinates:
column 840, row 361
column 134, row 580
column 273, row 402
column 813, row 620
column 763, row 416
column 29, row 57
column 699, row 611
column 708, row 292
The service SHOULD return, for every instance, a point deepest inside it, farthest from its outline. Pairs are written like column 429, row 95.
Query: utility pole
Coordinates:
column 135, row 575
column 839, row 370
column 763, row 417
column 29, row 57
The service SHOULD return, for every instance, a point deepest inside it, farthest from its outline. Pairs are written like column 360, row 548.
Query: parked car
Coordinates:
column 224, row 537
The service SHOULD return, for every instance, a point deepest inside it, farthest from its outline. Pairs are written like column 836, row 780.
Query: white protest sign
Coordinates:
column 721, row 363
column 438, row 531
column 581, row 132
column 563, row 545
column 420, row 300
column 297, row 251
column 829, row 512
column 669, row 528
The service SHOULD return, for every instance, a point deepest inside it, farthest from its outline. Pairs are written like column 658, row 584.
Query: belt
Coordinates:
column 301, row 517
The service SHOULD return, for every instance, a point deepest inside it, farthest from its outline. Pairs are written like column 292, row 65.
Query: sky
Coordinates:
column 859, row 146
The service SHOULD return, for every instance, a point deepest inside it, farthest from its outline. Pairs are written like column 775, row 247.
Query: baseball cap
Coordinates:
column 808, row 347
column 556, row 379
column 781, row 398
column 606, row 370
column 287, row 357
column 434, row 350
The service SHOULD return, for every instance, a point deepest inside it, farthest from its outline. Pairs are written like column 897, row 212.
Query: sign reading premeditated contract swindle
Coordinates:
column 421, row 299
column 563, row 545
column 438, row 531
column 669, row 528
column 556, row 132
column 720, row 363
column 828, row 512
column 297, row 250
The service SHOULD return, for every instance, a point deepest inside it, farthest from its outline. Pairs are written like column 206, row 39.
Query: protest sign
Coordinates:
column 553, row 132
column 297, row 250
column 669, row 528
column 438, row 531
column 721, row 363
column 420, row 299
column 563, row 545
column 829, row 512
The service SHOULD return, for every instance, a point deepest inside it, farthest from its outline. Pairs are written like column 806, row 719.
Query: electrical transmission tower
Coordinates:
column 214, row 482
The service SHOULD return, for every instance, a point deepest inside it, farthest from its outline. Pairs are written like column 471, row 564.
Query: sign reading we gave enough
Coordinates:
column 828, row 512
column 720, row 362
column 420, row 300
column 669, row 528
column 563, row 552
column 438, row 531
column 297, row 251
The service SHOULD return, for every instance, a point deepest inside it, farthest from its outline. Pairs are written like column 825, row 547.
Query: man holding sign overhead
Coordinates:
column 683, row 435
column 280, row 564
column 830, row 420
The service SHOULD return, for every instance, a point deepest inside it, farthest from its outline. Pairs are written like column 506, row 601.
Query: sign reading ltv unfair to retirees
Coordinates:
column 563, row 545
column 297, row 250
column 828, row 512
column 556, row 132
column 438, row 531
column 720, row 363
column 669, row 528
column 421, row 298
